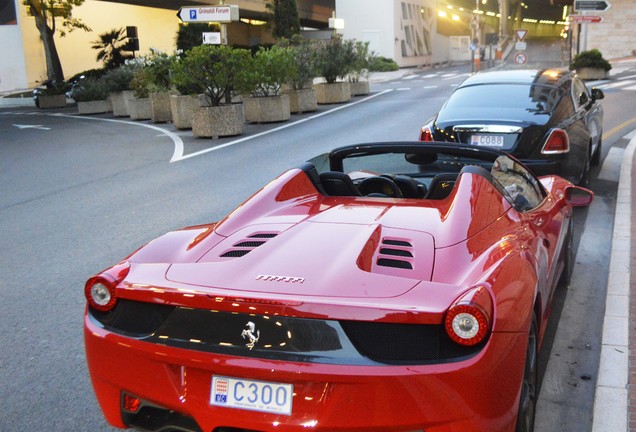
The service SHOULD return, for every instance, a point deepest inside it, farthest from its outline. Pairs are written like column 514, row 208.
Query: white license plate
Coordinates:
column 252, row 395
column 487, row 140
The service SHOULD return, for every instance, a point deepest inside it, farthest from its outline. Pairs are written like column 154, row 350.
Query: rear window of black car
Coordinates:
column 501, row 101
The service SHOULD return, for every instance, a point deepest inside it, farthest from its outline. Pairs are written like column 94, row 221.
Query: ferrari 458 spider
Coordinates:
column 380, row 287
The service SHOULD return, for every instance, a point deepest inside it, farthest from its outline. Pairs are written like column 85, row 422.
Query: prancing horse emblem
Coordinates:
column 248, row 333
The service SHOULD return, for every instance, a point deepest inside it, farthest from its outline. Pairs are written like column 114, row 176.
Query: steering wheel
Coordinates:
column 382, row 187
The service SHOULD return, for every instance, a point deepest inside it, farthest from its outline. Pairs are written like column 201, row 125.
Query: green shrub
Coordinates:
column 140, row 82
column 304, row 56
column 118, row 79
column 215, row 70
column 591, row 59
column 267, row 70
column 335, row 58
column 90, row 89
column 382, row 64
column 360, row 64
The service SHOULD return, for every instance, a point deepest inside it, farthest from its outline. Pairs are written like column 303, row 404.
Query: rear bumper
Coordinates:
column 541, row 167
column 473, row 395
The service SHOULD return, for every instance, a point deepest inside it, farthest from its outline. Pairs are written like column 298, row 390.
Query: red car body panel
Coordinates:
column 322, row 264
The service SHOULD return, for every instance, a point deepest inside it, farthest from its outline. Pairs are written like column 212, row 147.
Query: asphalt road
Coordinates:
column 78, row 194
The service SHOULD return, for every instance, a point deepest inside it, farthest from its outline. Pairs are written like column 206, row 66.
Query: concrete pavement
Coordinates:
column 615, row 399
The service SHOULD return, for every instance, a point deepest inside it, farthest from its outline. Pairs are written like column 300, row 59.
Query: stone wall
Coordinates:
column 615, row 37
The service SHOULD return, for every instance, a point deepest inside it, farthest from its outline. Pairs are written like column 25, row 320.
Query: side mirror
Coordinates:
column 597, row 94
column 578, row 197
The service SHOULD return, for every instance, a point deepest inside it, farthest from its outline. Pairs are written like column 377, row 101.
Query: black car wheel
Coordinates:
column 596, row 157
column 568, row 257
column 529, row 393
column 585, row 175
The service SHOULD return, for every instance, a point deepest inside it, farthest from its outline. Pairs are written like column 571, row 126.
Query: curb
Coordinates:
column 611, row 398
column 16, row 102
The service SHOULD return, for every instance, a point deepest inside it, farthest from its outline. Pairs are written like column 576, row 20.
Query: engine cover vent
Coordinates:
column 247, row 244
column 395, row 254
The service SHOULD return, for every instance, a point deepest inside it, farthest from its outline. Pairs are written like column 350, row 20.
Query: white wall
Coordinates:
column 615, row 37
column 369, row 22
column 12, row 66
column 403, row 30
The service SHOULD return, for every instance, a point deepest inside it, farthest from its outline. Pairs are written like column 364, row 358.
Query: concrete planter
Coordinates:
column 592, row 73
column 120, row 102
column 266, row 109
column 303, row 100
column 360, row 88
column 160, row 111
column 94, row 107
column 52, row 101
column 182, row 110
column 338, row 92
column 214, row 122
column 139, row 108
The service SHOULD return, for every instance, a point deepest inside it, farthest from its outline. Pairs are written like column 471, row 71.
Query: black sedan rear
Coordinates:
column 546, row 118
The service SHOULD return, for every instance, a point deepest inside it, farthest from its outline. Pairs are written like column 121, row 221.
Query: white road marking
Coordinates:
column 403, row 88
column 179, row 157
column 616, row 84
column 178, row 142
column 456, row 76
column 430, row 76
column 31, row 127
column 410, row 77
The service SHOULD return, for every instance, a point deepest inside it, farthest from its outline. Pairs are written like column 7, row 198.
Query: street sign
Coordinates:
column 585, row 18
column 521, row 34
column 521, row 46
column 591, row 5
column 520, row 58
column 221, row 14
column 212, row 38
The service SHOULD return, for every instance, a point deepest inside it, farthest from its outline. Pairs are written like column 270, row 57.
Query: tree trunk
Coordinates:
column 54, row 70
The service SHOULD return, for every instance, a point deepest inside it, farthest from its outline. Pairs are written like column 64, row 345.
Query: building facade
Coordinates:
column 412, row 32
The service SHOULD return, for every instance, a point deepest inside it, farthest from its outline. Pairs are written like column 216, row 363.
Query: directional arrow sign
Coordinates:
column 591, row 5
column 19, row 126
column 585, row 18
column 221, row 14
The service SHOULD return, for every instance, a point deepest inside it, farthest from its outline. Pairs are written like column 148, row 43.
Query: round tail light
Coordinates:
column 467, row 321
column 100, row 290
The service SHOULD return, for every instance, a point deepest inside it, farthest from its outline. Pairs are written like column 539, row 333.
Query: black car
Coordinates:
column 546, row 118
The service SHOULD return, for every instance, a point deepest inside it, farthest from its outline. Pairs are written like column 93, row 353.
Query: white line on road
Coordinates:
column 19, row 126
column 179, row 156
column 178, row 142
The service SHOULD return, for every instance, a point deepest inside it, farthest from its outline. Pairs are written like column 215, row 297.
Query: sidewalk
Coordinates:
column 615, row 400
column 11, row 102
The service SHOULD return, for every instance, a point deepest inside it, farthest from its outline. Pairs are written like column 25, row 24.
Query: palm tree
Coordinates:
column 111, row 46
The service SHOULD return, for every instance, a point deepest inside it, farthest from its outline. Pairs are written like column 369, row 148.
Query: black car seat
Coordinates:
column 441, row 186
column 336, row 183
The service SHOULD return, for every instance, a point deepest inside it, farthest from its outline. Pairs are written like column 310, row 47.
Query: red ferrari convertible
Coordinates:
column 380, row 287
